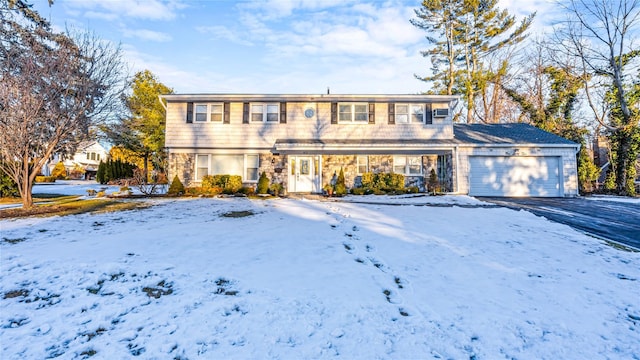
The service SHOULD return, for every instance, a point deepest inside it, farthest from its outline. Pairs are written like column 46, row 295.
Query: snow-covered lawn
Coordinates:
column 302, row 279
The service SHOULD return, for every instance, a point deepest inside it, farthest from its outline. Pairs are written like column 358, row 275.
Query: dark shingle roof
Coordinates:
column 506, row 134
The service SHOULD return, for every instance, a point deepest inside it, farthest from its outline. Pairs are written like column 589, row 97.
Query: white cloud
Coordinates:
column 223, row 32
column 140, row 9
column 275, row 9
column 145, row 34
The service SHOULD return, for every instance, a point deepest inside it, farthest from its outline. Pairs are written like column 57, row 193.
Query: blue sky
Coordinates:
column 266, row 46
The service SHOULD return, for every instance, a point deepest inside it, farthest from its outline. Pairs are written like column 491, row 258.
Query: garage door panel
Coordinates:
column 514, row 176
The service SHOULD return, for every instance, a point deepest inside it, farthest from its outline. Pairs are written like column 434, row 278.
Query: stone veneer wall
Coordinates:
column 182, row 165
column 377, row 164
column 275, row 167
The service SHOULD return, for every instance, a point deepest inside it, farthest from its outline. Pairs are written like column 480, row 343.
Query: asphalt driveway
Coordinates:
column 611, row 220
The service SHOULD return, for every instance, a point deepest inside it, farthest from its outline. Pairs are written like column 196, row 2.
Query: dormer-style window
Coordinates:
column 353, row 112
column 265, row 112
column 409, row 113
column 209, row 112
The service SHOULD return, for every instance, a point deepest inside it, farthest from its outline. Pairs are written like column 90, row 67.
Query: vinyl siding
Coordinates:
column 180, row 134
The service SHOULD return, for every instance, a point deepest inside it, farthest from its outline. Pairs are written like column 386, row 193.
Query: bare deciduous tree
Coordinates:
column 600, row 34
column 53, row 88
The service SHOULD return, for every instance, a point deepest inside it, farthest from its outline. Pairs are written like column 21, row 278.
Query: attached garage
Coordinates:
column 514, row 160
column 515, row 176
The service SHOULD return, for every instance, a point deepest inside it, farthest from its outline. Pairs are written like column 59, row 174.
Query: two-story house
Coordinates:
column 301, row 141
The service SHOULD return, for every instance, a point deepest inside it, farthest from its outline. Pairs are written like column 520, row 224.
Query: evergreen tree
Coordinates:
column 263, row 184
column 340, row 188
column 143, row 131
column 463, row 34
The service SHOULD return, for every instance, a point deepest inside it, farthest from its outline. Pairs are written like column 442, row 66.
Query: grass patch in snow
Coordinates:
column 16, row 293
column 72, row 205
column 13, row 241
column 238, row 214
column 161, row 289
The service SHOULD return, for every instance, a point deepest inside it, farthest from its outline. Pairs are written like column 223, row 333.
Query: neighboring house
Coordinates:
column 83, row 164
column 301, row 141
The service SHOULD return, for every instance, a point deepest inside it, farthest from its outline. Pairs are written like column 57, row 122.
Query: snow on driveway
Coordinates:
column 303, row 279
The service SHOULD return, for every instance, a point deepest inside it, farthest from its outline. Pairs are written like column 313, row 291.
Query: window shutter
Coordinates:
column 283, row 113
column 227, row 115
column 372, row 113
column 392, row 113
column 429, row 114
column 334, row 113
column 245, row 113
column 189, row 112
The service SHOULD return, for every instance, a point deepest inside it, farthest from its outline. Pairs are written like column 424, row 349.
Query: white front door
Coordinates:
column 303, row 173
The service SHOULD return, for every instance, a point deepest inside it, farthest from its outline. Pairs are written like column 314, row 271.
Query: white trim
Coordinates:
column 208, row 112
column 245, row 163
column 265, row 112
column 409, row 113
column 366, row 164
column 353, row 113
column 407, row 165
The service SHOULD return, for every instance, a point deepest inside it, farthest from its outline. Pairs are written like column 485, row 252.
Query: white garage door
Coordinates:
column 514, row 176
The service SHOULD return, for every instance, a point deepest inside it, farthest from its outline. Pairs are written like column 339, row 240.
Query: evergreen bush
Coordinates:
column 263, row 184
column 434, row 185
column 8, row 187
column 230, row 184
column 114, row 170
column 176, row 187
column 340, row 188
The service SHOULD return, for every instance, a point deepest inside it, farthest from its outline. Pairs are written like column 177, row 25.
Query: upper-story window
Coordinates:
column 93, row 156
column 265, row 112
column 409, row 113
column 353, row 112
column 209, row 112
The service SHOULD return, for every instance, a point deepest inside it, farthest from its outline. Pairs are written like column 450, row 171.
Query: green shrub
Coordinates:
column 59, row 171
column 381, row 183
column 230, row 184
column 199, row 190
column 176, row 187
column 340, row 188
column 114, row 170
column 8, row 187
column 263, row 184
column 233, row 185
column 413, row 190
column 47, row 179
column 358, row 191
column 247, row 190
column 395, row 181
column 367, row 180
column 276, row 189
column 434, row 186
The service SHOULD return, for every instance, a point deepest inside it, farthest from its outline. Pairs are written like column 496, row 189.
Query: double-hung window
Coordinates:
column 246, row 166
column 209, row 112
column 265, row 112
column 353, row 112
column 409, row 113
column 362, row 163
column 407, row 165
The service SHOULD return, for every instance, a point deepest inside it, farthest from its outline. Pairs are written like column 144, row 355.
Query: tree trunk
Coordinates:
column 146, row 168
